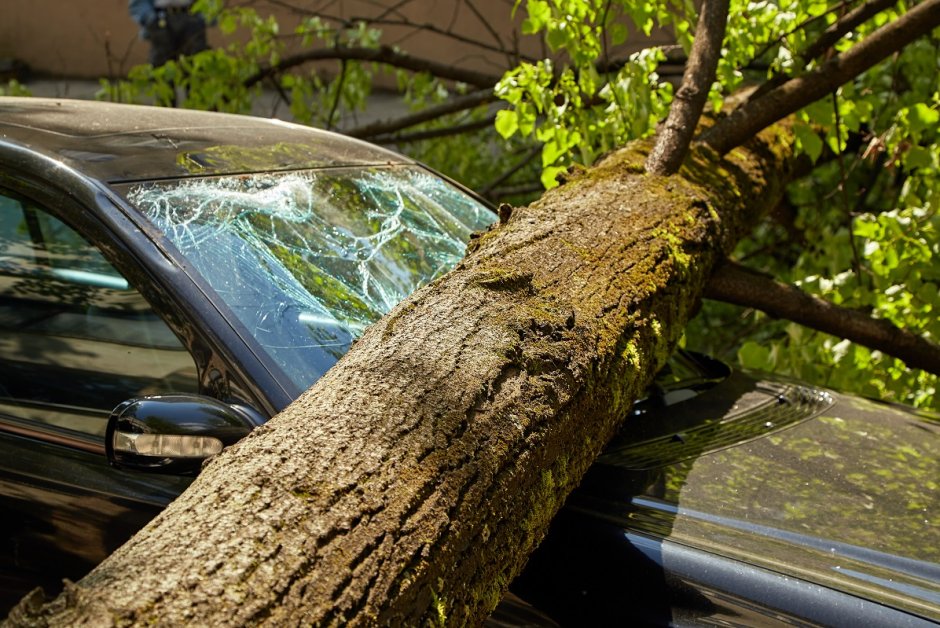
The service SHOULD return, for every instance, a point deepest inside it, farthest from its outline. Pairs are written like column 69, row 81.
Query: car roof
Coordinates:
column 116, row 142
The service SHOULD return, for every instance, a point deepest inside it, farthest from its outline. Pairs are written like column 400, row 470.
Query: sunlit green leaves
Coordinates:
column 808, row 140
column 578, row 114
column 865, row 231
column 864, row 225
column 920, row 120
column 507, row 122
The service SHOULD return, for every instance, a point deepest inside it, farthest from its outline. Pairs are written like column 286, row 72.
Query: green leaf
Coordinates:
column 539, row 14
column 920, row 117
column 753, row 355
column 507, row 122
column 917, row 157
column 816, row 8
column 808, row 141
column 557, row 38
column 549, row 176
column 526, row 117
column 617, row 33
column 551, row 151
column 228, row 23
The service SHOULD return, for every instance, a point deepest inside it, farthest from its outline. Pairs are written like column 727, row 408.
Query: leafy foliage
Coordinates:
column 573, row 110
column 328, row 94
column 862, row 229
column 867, row 223
column 866, row 227
column 14, row 88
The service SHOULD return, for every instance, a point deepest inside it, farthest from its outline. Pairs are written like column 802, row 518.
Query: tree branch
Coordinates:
column 673, row 141
column 383, row 54
column 842, row 26
column 415, row 476
column 489, row 28
column 429, row 134
column 530, row 154
column 739, row 285
column 799, row 92
column 431, row 28
column 339, row 93
column 829, row 37
column 452, row 105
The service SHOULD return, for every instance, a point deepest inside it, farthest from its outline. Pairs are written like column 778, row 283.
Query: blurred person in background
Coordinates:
column 170, row 27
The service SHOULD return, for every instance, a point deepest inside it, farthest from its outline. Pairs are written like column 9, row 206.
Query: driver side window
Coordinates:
column 75, row 338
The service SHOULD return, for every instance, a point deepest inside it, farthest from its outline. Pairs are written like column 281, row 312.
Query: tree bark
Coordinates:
column 410, row 483
column 844, row 25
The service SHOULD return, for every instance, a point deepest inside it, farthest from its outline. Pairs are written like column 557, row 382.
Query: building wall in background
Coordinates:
column 92, row 39
column 97, row 38
column 78, row 38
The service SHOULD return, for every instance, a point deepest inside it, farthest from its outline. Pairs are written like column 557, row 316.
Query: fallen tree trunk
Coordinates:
column 410, row 483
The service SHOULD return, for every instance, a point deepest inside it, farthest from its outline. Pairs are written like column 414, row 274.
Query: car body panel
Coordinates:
column 65, row 509
column 67, row 158
column 115, row 143
column 848, row 500
column 839, row 507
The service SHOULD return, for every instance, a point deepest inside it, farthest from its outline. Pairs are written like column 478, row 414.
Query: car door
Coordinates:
column 76, row 339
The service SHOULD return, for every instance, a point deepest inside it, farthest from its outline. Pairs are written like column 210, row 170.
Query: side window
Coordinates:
column 75, row 338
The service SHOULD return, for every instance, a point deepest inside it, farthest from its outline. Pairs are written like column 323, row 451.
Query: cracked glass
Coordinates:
column 305, row 260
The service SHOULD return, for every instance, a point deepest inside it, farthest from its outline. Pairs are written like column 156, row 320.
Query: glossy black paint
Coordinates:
column 756, row 502
column 115, row 143
column 65, row 509
column 176, row 415
column 589, row 572
column 663, row 531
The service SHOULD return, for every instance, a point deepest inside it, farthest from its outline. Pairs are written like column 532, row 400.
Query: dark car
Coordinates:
column 171, row 279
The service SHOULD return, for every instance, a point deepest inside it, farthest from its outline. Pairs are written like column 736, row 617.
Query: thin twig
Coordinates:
column 515, row 190
column 844, row 25
column 339, row 92
column 794, row 28
column 383, row 54
column 486, row 24
column 829, row 37
column 526, row 159
column 284, row 97
column 843, row 178
column 426, row 27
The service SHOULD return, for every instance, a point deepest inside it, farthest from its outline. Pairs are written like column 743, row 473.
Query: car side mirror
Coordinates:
column 173, row 433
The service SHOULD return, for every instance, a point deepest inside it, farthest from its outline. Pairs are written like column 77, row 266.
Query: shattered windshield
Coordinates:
column 304, row 261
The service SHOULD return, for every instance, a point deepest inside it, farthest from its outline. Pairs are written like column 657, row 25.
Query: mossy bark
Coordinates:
column 410, row 483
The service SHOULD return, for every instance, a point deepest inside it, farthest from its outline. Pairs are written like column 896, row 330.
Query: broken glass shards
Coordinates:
column 306, row 260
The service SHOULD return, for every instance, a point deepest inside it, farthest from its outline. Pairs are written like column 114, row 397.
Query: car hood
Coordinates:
column 835, row 490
